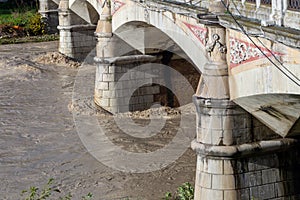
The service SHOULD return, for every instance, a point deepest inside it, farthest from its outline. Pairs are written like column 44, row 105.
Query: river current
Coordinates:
column 39, row 139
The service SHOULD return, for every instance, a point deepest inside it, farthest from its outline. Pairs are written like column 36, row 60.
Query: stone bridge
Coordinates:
column 247, row 55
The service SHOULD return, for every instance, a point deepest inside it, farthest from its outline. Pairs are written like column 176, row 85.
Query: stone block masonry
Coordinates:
column 77, row 41
column 269, row 175
column 120, row 84
column 76, row 37
column 252, row 164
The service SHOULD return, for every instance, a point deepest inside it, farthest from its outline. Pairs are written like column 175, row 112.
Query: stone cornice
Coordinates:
column 127, row 59
column 244, row 150
column 78, row 27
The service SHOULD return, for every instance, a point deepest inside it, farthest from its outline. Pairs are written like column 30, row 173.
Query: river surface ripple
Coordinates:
column 38, row 138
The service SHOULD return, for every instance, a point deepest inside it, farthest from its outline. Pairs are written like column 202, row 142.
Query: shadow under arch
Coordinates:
column 130, row 24
column 138, row 37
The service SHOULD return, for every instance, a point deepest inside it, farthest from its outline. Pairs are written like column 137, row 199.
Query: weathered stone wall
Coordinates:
column 120, row 85
column 76, row 35
column 222, row 123
column 52, row 22
column 167, row 97
column 240, row 158
column 77, row 41
column 267, row 176
column 131, row 74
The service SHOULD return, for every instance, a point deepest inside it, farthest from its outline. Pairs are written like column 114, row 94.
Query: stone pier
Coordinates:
column 49, row 12
column 119, row 75
column 237, row 157
column 76, row 36
column 119, row 84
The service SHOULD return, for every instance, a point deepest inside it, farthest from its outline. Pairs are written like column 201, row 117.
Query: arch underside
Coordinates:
column 88, row 10
column 156, row 32
column 280, row 112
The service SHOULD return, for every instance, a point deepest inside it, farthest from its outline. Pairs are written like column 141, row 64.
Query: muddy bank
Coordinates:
column 39, row 139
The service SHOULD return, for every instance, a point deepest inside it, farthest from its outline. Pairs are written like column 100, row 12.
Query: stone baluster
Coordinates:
column 279, row 8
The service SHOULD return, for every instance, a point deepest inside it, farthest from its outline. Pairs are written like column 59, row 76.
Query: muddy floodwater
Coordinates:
column 39, row 138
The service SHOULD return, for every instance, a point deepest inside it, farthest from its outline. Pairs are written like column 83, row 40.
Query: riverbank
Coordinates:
column 29, row 39
column 22, row 23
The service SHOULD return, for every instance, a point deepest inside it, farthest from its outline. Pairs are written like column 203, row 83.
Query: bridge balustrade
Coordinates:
column 187, row 2
column 291, row 4
column 269, row 12
column 294, row 5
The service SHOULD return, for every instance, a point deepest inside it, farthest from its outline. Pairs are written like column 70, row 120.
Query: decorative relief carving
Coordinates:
column 242, row 52
column 199, row 32
column 147, row 15
column 215, row 43
column 116, row 5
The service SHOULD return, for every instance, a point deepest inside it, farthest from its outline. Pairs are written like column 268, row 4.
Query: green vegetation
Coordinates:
column 17, row 40
column 29, row 22
column 20, row 22
column 184, row 192
column 20, row 6
column 47, row 192
column 16, row 18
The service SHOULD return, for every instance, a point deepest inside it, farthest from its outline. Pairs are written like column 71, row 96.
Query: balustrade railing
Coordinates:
column 291, row 4
column 266, row 2
column 294, row 5
column 189, row 2
column 269, row 12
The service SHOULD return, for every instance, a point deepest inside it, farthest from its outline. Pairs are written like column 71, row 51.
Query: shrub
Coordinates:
column 35, row 25
column 184, row 192
column 46, row 192
column 30, row 21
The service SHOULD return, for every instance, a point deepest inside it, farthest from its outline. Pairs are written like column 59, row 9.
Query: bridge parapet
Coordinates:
column 269, row 12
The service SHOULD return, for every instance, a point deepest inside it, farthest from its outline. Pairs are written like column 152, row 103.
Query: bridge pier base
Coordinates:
column 119, row 87
column 238, row 160
column 237, row 157
column 76, row 37
column 261, row 170
column 119, row 77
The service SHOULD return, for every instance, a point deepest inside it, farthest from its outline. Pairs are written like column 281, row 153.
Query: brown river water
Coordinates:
column 39, row 139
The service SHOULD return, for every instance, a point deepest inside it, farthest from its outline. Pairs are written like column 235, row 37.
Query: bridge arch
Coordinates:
column 141, row 49
column 89, row 10
column 170, row 25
